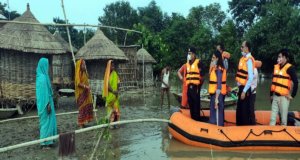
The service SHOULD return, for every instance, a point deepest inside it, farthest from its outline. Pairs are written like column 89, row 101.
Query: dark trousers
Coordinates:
column 213, row 111
column 193, row 94
column 242, row 109
column 252, row 109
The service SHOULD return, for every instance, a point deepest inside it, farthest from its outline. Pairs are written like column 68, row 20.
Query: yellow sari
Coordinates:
column 83, row 96
column 111, row 100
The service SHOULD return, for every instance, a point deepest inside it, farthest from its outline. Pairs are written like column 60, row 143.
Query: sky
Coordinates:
column 88, row 11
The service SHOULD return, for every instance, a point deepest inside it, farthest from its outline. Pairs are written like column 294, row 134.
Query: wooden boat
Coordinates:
column 7, row 112
column 205, row 100
column 232, row 137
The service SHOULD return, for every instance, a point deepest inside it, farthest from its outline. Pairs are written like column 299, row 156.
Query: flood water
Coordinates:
column 152, row 140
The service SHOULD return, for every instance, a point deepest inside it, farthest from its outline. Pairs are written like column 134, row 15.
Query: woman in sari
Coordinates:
column 44, row 101
column 83, row 94
column 111, row 92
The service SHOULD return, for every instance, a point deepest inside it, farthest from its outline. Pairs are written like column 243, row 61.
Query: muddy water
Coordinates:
column 130, row 141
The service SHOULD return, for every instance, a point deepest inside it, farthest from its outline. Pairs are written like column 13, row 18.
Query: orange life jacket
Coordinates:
column 193, row 73
column 281, row 82
column 242, row 73
column 225, row 55
column 212, row 87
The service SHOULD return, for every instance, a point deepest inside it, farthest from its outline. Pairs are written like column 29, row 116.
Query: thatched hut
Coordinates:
column 144, row 57
column 63, row 66
column 96, row 52
column 128, row 70
column 21, row 47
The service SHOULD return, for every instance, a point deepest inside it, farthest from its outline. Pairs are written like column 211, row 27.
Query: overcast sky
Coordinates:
column 88, row 11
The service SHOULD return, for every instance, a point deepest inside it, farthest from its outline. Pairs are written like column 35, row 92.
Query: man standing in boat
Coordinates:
column 284, row 73
column 194, row 81
column 253, row 92
column 244, row 78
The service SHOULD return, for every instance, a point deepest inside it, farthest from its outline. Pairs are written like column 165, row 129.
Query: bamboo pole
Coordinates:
column 75, row 25
column 96, row 146
column 68, row 32
column 25, row 144
column 30, row 117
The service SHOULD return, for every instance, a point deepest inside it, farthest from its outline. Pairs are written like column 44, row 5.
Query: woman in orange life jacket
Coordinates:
column 217, row 89
column 225, row 56
column 283, row 76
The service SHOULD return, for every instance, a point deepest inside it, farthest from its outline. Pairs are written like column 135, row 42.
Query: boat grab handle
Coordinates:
column 268, row 132
column 204, row 130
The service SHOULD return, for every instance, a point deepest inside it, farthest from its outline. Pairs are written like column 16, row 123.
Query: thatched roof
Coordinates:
column 147, row 57
column 29, row 38
column 100, row 47
column 63, row 42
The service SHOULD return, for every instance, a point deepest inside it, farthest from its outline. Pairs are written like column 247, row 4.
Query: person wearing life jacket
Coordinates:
column 217, row 89
column 181, row 73
column 225, row 58
column 244, row 78
column 225, row 55
column 194, row 81
column 257, row 65
column 284, row 77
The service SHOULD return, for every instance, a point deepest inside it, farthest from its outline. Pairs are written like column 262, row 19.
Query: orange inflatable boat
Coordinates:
column 232, row 137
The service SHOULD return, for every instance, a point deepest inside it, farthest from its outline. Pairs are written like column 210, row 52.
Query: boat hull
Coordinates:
column 231, row 137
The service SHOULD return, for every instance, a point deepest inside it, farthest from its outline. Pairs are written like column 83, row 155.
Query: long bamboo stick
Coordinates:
column 68, row 32
column 30, row 117
column 25, row 144
column 76, row 25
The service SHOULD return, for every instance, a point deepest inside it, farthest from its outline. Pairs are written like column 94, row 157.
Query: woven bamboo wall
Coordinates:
column 63, row 70
column 149, row 81
column 18, row 74
column 96, row 69
column 127, row 71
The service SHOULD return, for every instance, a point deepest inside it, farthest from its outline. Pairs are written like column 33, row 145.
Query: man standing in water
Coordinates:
column 284, row 73
column 165, row 86
column 244, row 78
column 194, row 81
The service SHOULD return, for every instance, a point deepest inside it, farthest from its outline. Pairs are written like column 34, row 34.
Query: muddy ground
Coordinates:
column 132, row 107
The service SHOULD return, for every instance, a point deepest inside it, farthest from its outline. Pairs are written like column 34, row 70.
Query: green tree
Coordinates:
column 277, row 29
column 229, row 38
column 119, row 14
column 10, row 15
column 211, row 16
column 247, row 12
column 77, row 37
column 152, row 17
column 178, row 37
column 154, row 44
column 204, row 43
